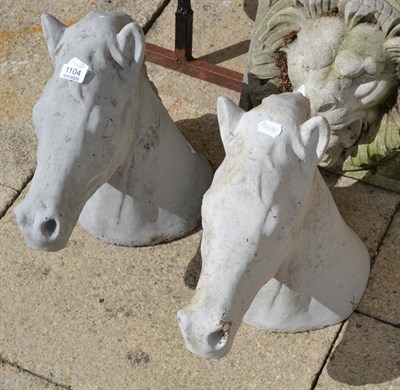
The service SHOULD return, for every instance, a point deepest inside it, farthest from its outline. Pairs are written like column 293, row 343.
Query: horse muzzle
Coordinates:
column 42, row 228
column 202, row 336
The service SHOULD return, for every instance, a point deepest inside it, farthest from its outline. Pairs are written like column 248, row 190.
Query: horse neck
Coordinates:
column 323, row 232
column 320, row 203
column 150, row 111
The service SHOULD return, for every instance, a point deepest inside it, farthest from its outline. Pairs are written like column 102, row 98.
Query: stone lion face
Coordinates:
column 346, row 75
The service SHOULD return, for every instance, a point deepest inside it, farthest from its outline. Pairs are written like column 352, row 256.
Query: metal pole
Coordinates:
column 184, row 30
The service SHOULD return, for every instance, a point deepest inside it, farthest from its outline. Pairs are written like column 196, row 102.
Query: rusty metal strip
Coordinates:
column 200, row 69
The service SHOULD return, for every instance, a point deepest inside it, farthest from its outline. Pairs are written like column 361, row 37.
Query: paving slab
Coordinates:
column 17, row 154
column 24, row 69
column 26, row 13
column 179, row 86
column 382, row 298
column 12, row 378
column 221, row 31
column 365, row 208
column 366, row 355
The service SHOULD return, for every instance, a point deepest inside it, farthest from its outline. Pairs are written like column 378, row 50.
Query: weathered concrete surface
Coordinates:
column 193, row 109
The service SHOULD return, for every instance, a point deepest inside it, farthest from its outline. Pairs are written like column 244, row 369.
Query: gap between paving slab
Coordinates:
column 367, row 209
column 318, row 374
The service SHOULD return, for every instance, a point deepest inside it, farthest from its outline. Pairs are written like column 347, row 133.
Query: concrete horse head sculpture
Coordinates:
column 108, row 144
column 275, row 250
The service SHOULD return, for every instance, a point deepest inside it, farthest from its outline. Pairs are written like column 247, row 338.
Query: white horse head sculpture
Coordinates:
column 108, row 143
column 274, row 244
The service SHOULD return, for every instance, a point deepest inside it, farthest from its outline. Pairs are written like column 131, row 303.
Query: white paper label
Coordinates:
column 75, row 70
column 270, row 128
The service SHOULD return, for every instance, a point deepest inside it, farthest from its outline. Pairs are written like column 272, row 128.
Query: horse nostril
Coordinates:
column 218, row 338
column 48, row 228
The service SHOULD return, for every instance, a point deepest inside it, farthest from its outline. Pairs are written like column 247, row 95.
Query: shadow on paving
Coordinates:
column 368, row 353
column 227, row 53
column 203, row 134
column 250, row 7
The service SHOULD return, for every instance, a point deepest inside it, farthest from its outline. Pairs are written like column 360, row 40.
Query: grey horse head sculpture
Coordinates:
column 109, row 154
column 344, row 54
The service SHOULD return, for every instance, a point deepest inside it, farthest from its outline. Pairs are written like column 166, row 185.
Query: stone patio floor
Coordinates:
column 98, row 316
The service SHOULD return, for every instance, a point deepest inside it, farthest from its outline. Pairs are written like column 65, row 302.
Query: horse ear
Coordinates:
column 53, row 29
column 315, row 134
column 229, row 115
column 129, row 48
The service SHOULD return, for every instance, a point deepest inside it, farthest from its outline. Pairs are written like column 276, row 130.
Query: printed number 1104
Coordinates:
column 73, row 71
